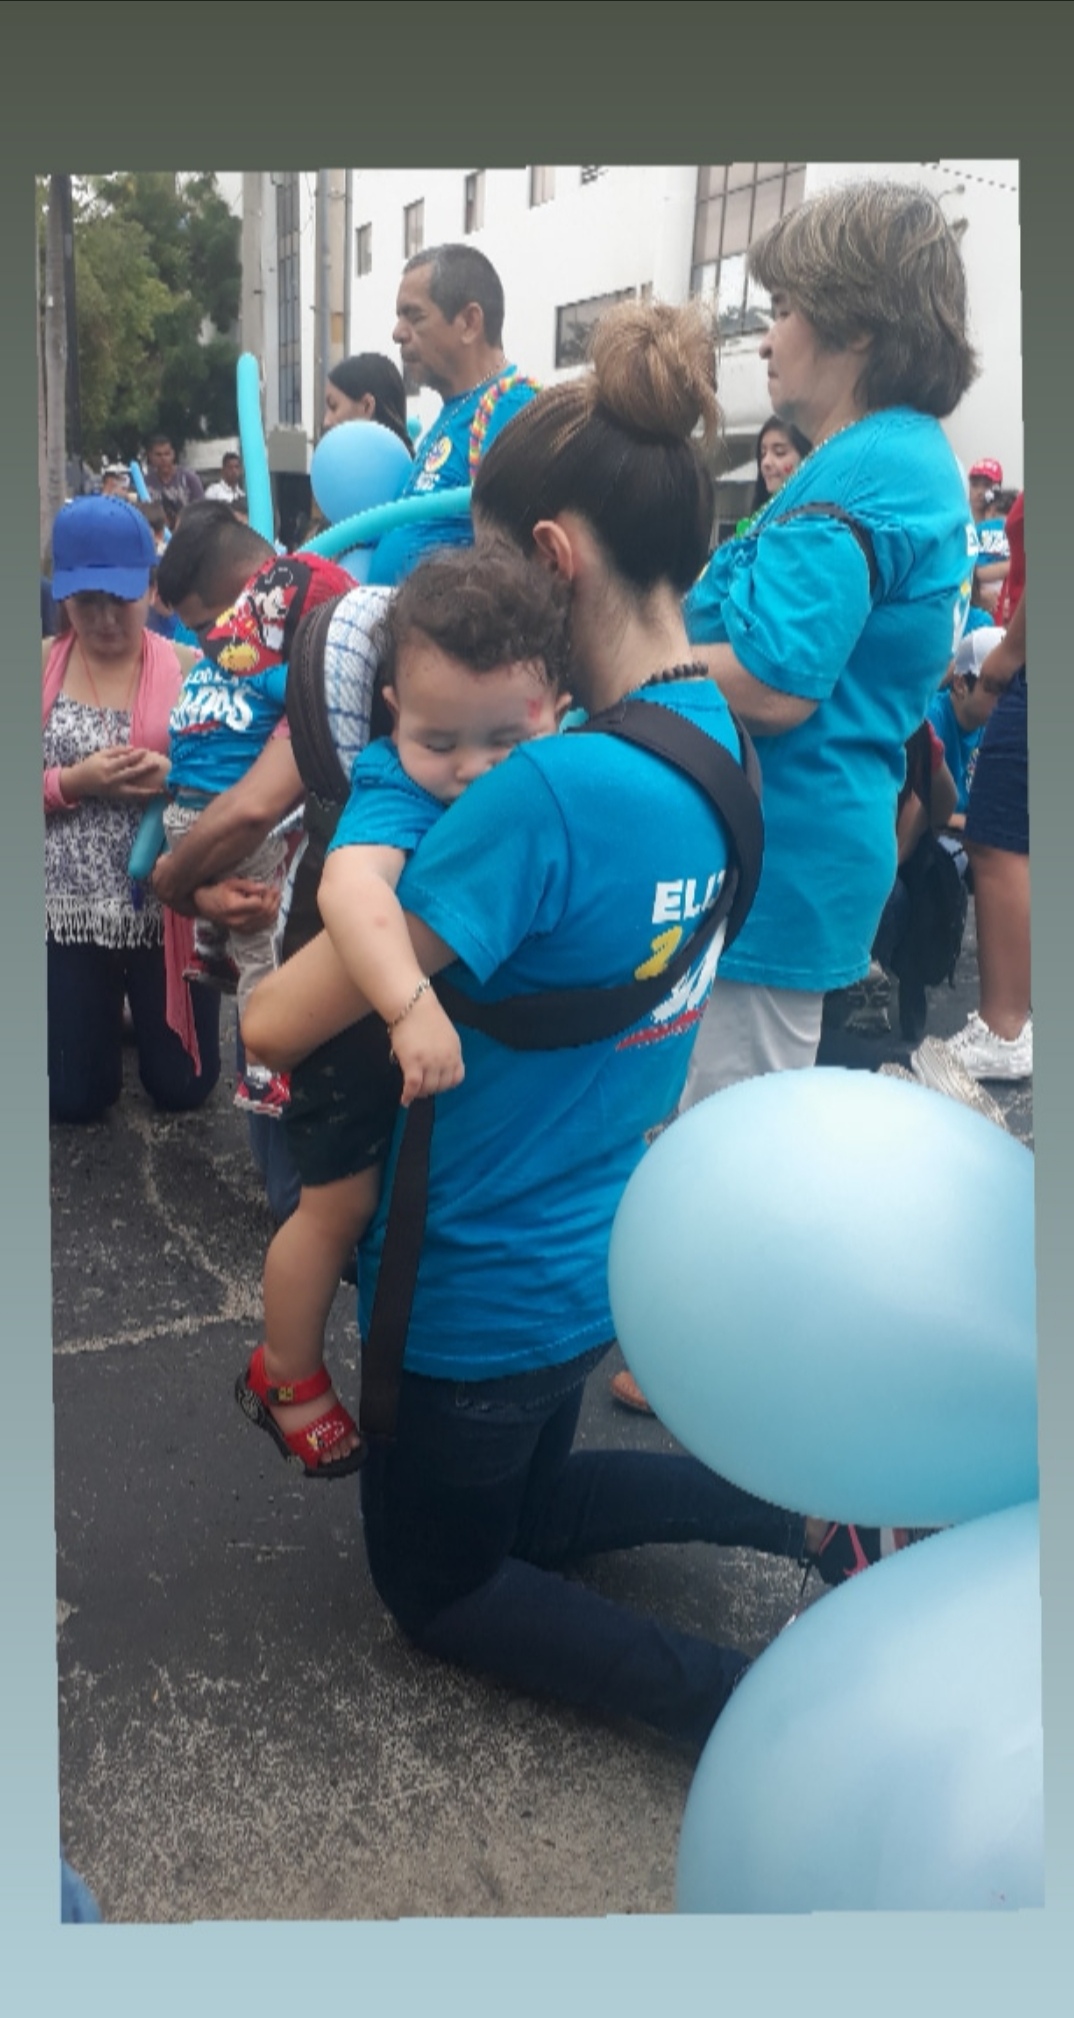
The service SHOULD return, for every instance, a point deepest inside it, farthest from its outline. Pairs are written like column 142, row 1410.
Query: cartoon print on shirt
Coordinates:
column 208, row 701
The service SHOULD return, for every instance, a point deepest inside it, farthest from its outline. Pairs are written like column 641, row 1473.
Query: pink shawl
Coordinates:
column 158, row 690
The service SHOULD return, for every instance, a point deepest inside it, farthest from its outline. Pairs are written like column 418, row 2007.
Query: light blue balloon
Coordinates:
column 357, row 562
column 824, row 1283
column 357, row 465
column 367, row 527
column 141, row 489
column 259, row 509
column 886, row 1750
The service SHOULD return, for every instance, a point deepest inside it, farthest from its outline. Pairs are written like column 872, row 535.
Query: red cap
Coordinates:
column 988, row 467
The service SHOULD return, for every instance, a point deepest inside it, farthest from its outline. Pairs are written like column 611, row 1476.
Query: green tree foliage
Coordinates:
column 157, row 283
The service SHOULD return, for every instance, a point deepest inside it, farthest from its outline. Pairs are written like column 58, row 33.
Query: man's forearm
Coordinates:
column 231, row 826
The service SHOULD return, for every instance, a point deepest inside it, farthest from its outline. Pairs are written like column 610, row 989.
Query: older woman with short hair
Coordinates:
column 829, row 625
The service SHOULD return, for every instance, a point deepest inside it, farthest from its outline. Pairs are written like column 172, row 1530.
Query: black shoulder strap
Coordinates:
column 383, row 1349
column 556, row 1019
column 307, row 716
column 834, row 511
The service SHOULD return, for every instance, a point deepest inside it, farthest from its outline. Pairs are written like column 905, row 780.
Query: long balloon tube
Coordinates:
column 366, row 528
column 139, row 482
column 252, row 444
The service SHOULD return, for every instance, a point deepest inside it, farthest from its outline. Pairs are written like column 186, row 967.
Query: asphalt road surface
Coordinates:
column 244, row 1732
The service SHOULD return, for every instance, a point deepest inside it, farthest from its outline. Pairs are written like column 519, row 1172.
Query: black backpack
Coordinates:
column 927, row 950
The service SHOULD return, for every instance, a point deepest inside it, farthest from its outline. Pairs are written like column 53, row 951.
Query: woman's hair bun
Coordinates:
column 654, row 368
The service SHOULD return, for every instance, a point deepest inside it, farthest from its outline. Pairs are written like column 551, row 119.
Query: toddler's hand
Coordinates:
column 427, row 1049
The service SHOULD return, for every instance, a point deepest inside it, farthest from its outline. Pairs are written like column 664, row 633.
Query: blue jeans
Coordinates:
column 472, row 1512
column 86, row 988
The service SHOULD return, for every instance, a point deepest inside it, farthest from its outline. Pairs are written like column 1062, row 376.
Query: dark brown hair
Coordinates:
column 208, row 547
column 797, row 441
column 369, row 372
column 615, row 446
column 489, row 608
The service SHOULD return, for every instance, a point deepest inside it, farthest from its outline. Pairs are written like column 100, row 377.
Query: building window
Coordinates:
column 589, row 175
column 542, row 186
column 735, row 204
column 576, row 321
column 473, row 201
column 413, row 228
column 363, row 250
column 287, row 301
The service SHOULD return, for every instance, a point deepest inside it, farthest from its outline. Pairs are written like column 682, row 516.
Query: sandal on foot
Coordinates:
column 845, row 1551
column 304, row 1447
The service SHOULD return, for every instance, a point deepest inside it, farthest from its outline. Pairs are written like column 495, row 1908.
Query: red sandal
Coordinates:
column 305, row 1447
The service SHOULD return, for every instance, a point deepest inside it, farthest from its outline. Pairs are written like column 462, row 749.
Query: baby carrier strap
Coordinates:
column 558, row 1019
column 330, row 683
column 554, row 1020
column 834, row 511
column 314, row 748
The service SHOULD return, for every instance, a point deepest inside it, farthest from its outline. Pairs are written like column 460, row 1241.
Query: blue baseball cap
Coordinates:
column 101, row 543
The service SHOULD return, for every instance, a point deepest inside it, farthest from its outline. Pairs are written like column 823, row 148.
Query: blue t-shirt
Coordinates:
column 794, row 603
column 386, row 809
column 993, row 543
column 959, row 745
column 442, row 462
column 578, row 861
column 220, row 725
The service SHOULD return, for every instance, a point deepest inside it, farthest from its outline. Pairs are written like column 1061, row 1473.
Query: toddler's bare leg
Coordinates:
column 302, row 1274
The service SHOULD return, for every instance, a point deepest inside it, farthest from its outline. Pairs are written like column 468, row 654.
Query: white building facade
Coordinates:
column 323, row 252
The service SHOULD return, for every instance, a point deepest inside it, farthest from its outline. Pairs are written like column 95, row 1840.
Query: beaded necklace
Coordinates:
column 692, row 670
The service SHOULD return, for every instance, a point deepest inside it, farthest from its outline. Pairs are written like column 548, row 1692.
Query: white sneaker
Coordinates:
column 985, row 1056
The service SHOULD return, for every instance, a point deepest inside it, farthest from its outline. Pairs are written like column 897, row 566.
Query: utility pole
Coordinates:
column 72, row 387
column 55, row 356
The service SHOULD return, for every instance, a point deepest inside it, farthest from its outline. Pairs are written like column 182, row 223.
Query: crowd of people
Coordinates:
column 519, row 900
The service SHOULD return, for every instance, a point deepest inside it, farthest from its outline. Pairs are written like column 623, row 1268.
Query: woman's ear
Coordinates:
column 554, row 548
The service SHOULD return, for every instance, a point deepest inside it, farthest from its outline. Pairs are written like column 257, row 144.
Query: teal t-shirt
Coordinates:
column 579, row 861
column 442, row 462
column 960, row 745
column 794, row 603
column 386, row 808
column 220, row 725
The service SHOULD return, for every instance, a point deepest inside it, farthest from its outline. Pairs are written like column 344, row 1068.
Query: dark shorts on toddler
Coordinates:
column 343, row 1106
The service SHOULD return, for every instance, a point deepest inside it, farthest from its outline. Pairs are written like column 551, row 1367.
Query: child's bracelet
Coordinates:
column 422, row 989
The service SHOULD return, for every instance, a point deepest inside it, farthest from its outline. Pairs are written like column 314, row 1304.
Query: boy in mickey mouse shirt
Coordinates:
column 230, row 704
